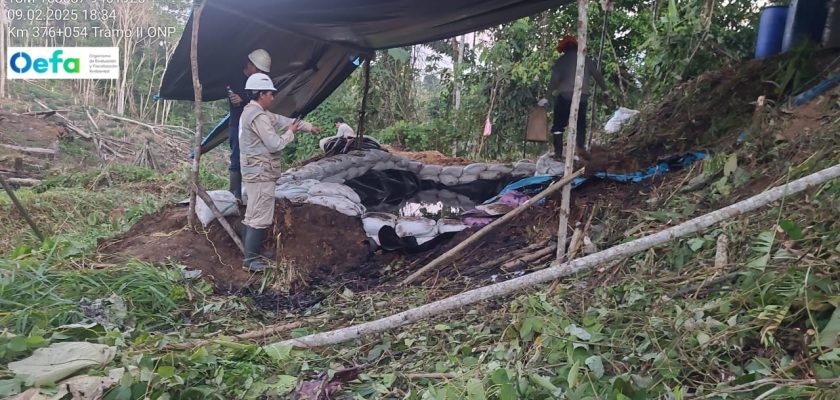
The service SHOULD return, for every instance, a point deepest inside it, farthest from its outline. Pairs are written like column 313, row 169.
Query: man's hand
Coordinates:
column 294, row 126
column 235, row 99
column 316, row 130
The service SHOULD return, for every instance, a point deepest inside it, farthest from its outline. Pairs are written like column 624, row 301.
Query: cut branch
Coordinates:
column 446, row 257
column 560, row 270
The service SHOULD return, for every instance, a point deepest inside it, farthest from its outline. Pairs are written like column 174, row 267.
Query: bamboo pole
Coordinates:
column 20, row 208
column 198, row 6
column 445, row 257
column 558, row 270
column 562, row 226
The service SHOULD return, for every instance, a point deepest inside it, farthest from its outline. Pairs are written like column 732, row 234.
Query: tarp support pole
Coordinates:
column 594, row 107
column 363, row 109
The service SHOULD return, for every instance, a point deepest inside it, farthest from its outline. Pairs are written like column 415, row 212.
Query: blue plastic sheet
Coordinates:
column 537, row 183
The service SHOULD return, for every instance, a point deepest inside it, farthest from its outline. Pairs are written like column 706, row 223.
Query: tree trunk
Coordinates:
column 558, row 270
column 562, row 228
column 198, row 6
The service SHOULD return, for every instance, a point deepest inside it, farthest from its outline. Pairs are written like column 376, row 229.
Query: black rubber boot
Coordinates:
column 253, row 242
column 236, row 184
column 557, row 138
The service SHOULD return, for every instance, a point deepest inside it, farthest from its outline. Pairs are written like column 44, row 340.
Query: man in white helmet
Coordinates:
column 258, row 61
column 260, row 151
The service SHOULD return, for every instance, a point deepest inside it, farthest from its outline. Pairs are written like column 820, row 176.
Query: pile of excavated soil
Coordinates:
column 316, row 240
column 430, row 157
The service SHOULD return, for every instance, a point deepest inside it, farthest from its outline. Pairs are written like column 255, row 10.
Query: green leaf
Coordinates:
column 595, row 365
column 17, row 344
column 731, row 165
column 696, row 243
column 702, row 338
column 388, row 380
column 829, row 334
column 278, row 352
column 166, row 371
column 578, row 332
column 763, row 245
column 530, row 326
column 9, row 387
column 543, row 382
column 284, row 385
column 475, row 390
column 791, row 229
column 574, row 375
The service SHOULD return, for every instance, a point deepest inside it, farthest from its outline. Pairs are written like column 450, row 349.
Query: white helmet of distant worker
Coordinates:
column 259, row 82
column 261, row 59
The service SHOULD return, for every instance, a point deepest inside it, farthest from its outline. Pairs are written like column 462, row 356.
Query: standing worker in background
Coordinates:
column 260, row 146
column 258, row 61
column 563, row 85
column 342, row 129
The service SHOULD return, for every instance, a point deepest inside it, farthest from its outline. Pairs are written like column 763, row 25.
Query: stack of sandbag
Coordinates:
column 222, row 199
column 331, row 195
column 296, row 191
column 548, row 166
column 453, row 175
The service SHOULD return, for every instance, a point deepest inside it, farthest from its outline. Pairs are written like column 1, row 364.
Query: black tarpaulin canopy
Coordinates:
column 315, row 44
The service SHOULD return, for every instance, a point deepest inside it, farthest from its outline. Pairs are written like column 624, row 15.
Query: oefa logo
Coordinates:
column 21, row 62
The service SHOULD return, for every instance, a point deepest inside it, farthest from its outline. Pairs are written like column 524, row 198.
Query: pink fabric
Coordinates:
column 488, row 127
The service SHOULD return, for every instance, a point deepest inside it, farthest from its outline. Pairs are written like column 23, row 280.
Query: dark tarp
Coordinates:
column 314, row 43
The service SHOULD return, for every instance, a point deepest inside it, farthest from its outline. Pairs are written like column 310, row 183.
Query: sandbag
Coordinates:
column 620, row 117
column 502, row 168
column 373, row 221
column 416, row 226
column 333, row 179
column 448, row 180
column 469, row 178
column 414, row 167
column 334, row 189
column 524, row 168
column 475, row 168
column 547, row 166
column 445, row 225
column 430, row 172
column 453, row 170
column 225, row 201
column 295, row 190
column 490, row 175
column 340, row 204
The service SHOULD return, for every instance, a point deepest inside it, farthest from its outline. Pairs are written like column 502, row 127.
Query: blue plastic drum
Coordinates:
column 771, row 30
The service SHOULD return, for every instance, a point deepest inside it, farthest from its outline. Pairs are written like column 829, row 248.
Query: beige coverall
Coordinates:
column 259, row 149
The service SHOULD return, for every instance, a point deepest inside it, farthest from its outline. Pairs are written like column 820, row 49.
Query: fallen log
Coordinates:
column 445, row 257
column 30, row 150
column 23, row 181
column 560, row 270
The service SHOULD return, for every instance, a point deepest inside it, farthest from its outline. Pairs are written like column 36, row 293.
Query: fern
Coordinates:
column 763, row 245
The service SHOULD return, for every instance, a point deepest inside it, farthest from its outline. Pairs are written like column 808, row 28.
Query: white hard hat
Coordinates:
column 261, row 59
column 259, row 81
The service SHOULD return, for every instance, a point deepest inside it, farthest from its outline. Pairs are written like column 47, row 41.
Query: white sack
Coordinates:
column 334, row 190
column 225, row 201
column 416, row 226
column 620, row 117
column 340, row 204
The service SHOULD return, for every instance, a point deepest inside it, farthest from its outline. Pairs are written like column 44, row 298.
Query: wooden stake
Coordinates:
column 558, row 270
column 198, row 6
column 363, row 110
column 20, row 208
column 562, row 227
column 445, row 257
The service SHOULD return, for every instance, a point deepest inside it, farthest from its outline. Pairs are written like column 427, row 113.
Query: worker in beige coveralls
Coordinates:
column 259, row 149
